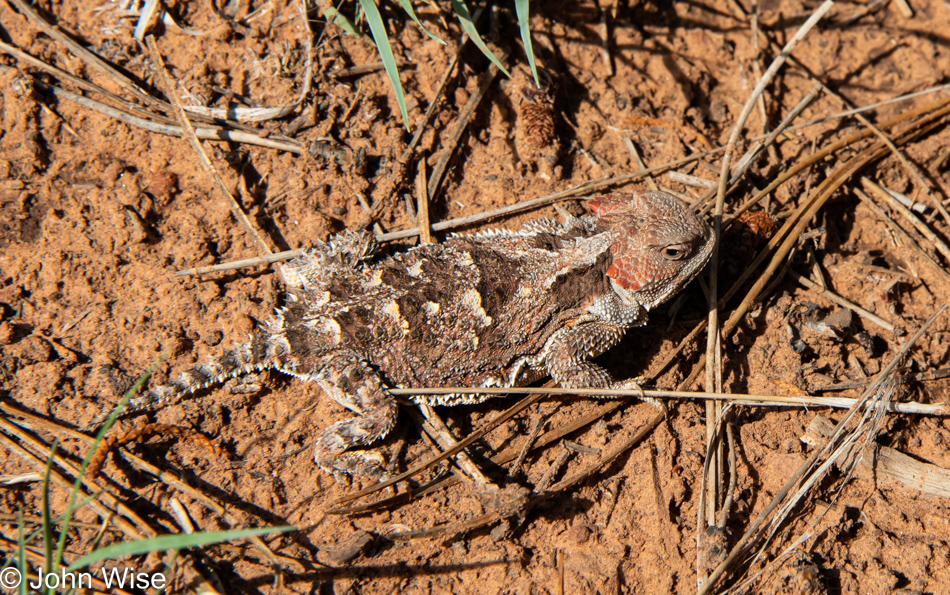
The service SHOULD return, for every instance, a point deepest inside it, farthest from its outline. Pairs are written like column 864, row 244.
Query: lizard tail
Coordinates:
column 245, row 359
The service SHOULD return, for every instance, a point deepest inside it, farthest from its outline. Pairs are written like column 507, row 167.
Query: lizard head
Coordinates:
column 661, row 244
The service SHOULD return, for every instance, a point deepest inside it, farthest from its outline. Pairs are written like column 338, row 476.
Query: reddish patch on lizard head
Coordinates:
column 623, row 275
column 660, row 244
column 609, row 204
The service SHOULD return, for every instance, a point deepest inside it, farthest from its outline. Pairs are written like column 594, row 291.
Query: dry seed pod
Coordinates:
column 748, row 233
column 537, row 110
column 744, row 238
column 538, row 122
column 535, row 134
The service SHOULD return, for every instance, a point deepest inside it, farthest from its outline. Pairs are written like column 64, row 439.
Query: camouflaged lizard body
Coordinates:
column 497, row 309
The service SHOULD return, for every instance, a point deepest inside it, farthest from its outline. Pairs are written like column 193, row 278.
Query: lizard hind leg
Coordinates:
column 352, row 383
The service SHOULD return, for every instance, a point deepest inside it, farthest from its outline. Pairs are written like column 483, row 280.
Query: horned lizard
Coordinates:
column 496, row 309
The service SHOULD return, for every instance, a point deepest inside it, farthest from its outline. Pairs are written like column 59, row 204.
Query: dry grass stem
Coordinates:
column 434, row 103
column 87, row 55
column 216, row 134
column 911, row 169
column 902, row 234
column 562, row 458
column 865, row 412
column 82, row 84
column 422, row 204
column 846, row 141
column 784, row 240
column 12, row 480
column 440, row 433
column 169, row 479
column 505, row 456
column 39, row 463
column 752, row 154
column 115, row 503
column 134, row 115
column 495, row 422
column 757, row 72
column 888, row 462
column 558, row 433
column 860, row 110
column 905, row 8
column 639, row 161
column 738, row 399
column 262, row 114
column 145, row 18
column 878, row 131
column 908, row 215
column 710, row 483
column 189, row 133
column 528, row 444
column 688, row 180
column 729, row 494
column 585, row 473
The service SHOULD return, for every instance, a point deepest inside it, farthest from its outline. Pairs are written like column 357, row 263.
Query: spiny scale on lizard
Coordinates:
column 496, row 309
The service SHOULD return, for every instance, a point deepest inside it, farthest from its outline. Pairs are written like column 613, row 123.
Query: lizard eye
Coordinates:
column 675, row 252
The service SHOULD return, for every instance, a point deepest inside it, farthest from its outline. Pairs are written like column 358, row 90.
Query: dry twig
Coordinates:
column 713, row 352
column 206, row 164
column 439, row 170
column 170, row 479
column 765, row 525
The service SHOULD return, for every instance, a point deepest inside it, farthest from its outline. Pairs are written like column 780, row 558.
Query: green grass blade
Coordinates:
column 21, row 553
column 465, row 19
column 71, row 506
column 378, row 29
column 47, row 527
column 521, row 7
column 407, row 6
column 168, row 542
column 336, row 17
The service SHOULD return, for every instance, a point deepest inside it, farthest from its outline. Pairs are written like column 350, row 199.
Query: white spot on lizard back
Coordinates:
column 375, row 280
column 415, row 270
column 320, row 299
column 332, row 329
column 472, row 300
column 391, row 309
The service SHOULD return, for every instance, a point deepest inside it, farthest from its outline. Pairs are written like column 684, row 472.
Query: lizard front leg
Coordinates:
column 566, row 358
column 349, row 381
column 568, row 350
